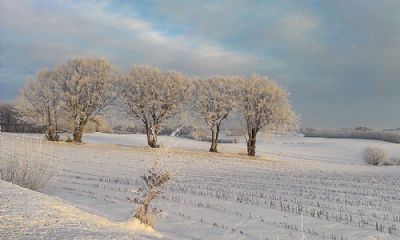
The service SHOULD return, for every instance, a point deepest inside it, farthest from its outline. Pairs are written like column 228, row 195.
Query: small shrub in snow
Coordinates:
column 375, row 156
column 25, row 163
column 152, row 188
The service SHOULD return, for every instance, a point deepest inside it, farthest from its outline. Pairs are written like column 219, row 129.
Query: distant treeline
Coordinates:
column 10, row 122
column 357, row 133
column 21, row 128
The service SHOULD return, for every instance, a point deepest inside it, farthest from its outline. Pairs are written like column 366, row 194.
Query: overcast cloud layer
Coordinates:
column 340, row 60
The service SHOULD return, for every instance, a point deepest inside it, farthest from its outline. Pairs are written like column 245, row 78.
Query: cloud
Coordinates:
column 38, row 35
column 335, row 57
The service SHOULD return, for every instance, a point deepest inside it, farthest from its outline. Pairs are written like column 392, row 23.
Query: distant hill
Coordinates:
column 356, row 133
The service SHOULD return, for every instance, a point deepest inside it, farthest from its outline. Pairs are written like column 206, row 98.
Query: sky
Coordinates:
column 339, row 60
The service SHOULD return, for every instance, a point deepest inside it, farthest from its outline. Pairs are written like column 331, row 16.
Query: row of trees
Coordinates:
column 79, row 90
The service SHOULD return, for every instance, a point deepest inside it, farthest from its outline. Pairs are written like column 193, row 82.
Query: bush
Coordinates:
column 25, row 163
column 375, row 156
column 152, row 188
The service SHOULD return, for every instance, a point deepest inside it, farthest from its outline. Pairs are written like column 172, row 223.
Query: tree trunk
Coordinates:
column 214, row 140
column 251, row 142
column 213, row 147
column 51, row 134
column 151, row 137
column 78, row 131
column 153, row 141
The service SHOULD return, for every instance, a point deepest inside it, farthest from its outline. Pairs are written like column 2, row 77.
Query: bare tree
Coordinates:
column 215, row 98
column 153, row 97
column 263, row 104
column 39, row 102
column 87, row 86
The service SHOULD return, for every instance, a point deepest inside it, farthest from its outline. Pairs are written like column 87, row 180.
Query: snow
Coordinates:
column 26, row 214
column 231, row 196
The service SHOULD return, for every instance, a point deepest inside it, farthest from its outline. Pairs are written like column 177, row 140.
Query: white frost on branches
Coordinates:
column 153, row 96
column 215, row 98
column 39, row 101
column 87, row 86
column 264, row 104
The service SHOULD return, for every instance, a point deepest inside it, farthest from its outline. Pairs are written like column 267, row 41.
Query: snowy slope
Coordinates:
column 25, row 214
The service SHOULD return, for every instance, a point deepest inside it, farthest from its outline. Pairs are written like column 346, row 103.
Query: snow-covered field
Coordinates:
column 299, row 188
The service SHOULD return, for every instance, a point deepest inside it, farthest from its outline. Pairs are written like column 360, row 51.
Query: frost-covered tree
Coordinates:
column 87, row 86
column 39, row 101
column 215, row 98
column 263, row 104
column 152, row 97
